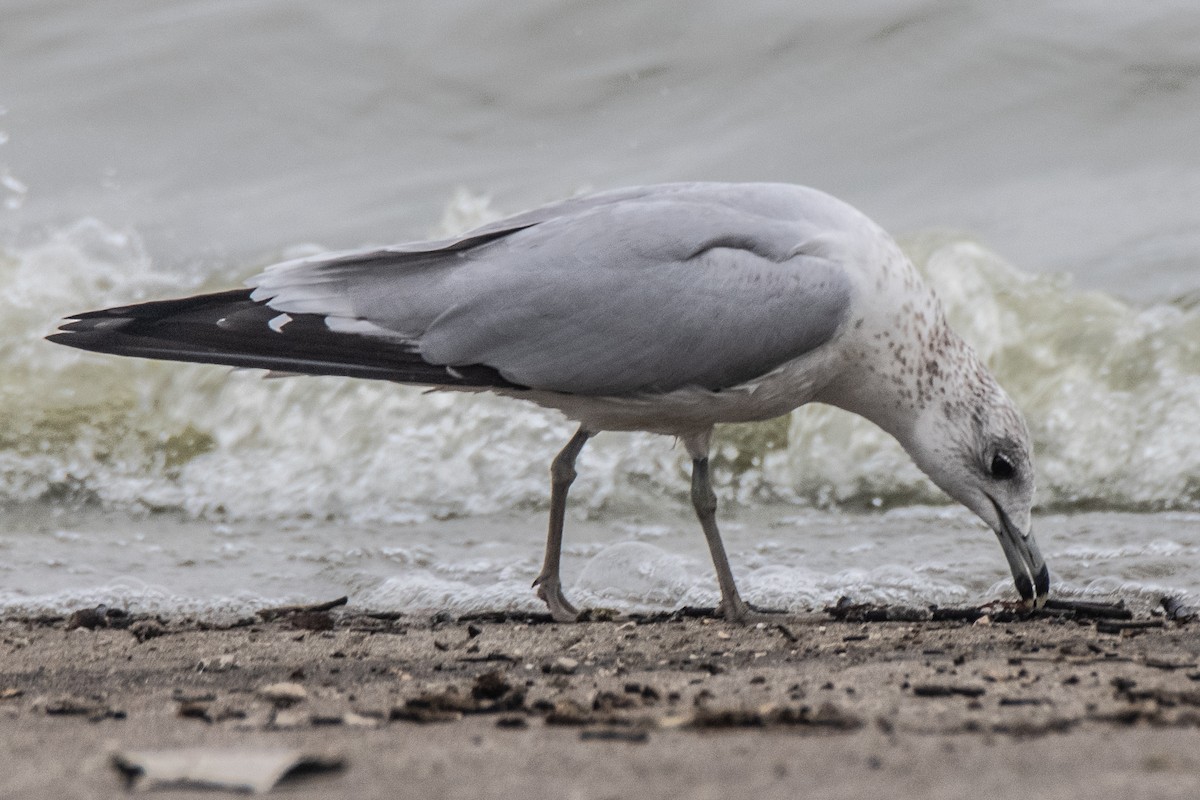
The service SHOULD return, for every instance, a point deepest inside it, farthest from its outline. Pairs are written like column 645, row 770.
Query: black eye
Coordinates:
column 1002, row 468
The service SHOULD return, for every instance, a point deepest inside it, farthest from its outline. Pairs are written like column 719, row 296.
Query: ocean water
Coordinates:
column 1038, row 167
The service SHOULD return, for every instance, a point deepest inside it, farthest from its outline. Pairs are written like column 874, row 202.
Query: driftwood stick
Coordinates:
column 269, row 614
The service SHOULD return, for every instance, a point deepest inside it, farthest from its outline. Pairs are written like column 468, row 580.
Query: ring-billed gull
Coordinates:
column 663, row 308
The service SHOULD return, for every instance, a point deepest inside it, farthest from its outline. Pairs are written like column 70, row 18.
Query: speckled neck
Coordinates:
column 901, row 356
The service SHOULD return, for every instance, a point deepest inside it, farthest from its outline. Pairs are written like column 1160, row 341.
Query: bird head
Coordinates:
column 975, row 446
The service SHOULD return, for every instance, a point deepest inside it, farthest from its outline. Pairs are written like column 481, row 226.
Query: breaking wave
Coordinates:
column 1110, row 391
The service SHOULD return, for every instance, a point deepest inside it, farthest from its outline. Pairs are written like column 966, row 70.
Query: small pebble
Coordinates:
column 290, row 718
column 283, row 694
column 221, row 663
column 355, row 720
column 563, row 666
column 512, row 722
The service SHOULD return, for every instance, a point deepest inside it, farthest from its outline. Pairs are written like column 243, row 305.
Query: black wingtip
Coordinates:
column 1042, row 581
column 87, row 331
column 231, row 329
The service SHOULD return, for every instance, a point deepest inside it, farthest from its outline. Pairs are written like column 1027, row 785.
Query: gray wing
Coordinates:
column 644, row 290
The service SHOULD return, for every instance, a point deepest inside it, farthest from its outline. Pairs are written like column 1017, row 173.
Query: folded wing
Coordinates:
column 612, row 295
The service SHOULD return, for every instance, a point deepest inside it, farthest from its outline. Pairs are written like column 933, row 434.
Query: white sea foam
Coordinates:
column 1109, row 391
column 163, row 564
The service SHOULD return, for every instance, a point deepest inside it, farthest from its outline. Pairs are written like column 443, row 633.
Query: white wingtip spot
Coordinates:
column 276, row 324
column 363, row 327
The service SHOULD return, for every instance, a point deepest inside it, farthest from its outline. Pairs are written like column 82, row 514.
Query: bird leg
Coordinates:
column 562, row 474
column 732, row 607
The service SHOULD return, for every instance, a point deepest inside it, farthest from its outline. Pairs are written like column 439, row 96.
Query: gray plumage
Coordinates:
column 616, row 294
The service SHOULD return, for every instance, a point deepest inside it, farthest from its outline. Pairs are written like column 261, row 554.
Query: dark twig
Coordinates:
column 269, row 614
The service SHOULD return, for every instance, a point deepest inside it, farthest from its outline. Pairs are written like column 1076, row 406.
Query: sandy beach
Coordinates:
column 1060, row 705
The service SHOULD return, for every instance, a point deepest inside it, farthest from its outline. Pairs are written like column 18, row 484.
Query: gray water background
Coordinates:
column 1038, row 159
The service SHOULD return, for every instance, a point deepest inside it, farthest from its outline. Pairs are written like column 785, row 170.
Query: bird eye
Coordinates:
column 1002, row 468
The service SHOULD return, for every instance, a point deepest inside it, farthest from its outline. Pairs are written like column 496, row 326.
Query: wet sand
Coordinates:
column 659, row 706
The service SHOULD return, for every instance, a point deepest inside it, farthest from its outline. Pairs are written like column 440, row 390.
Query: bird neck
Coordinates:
column 903, row 363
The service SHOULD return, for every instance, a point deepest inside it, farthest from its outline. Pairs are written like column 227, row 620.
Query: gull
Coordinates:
column 666, row 308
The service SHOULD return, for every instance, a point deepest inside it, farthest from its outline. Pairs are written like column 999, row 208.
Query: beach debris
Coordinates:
column 947, row 690
column 1164, row 698
column 312, row 621
column 90, row 618
column 787, row 632
column 1122, row 684
column 1129, row 715
column 563, row 665
column 649, row 694
column 695, row 612
column 203, row 705
column 491, row 693
column 211, row 712
column 512, row 721
column 10, row 692
column 827, row 717
column 146, row 629
column 503, row 617
column 268, row 614
column 939, row 614
column 489, row 701
column 353, row 719
column 283, row 694
column 383, row 622
column 598, row 615
column 846, row 610
column 636, row 735
column 221, row 663
column 424, row 711
column 94, row 707
column 234, row 770
column 1120, row 627
column 569, row 712
column 607, row 702
column 195, row 710
column 288, row 719
column 327, row 712
column 711, row 667
column 100, row 616
column 1090, row 609
column 1025, row 728
column 504, row 657
column 1169, row 664
column 491, row 686
column 1177, row 611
